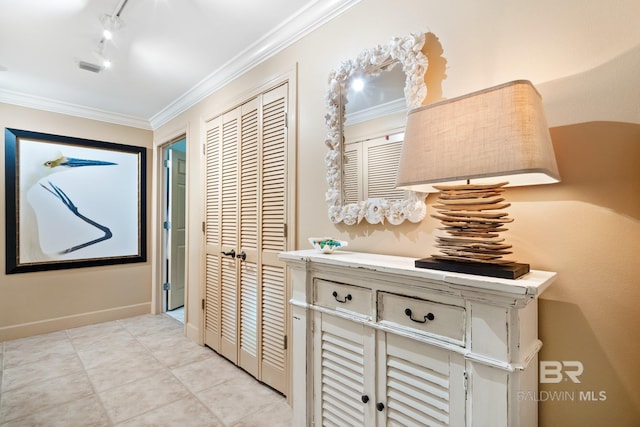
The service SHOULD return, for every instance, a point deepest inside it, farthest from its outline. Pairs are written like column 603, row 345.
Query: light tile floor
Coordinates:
column 140, row 371
column 177, row 313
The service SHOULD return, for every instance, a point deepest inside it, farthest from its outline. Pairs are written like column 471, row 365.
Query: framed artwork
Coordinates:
column 72, row 202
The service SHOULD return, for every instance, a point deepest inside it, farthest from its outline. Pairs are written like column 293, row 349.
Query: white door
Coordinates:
column 176, row 253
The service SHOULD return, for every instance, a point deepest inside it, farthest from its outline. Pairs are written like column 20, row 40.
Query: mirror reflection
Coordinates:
column 367, row 100
column 374, row 95
column 375, row 115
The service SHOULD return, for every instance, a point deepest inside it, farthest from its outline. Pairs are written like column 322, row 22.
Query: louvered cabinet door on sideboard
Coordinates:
column 377, row 342
column 417, row 384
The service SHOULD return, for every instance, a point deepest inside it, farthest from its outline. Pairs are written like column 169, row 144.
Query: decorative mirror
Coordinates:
column 373, row 123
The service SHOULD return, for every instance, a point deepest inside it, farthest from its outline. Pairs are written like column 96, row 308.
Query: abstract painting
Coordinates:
column 72, row 202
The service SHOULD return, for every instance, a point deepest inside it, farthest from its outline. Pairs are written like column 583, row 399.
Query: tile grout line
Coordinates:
column 170, row 371
column 84, row 368
column 187, row 388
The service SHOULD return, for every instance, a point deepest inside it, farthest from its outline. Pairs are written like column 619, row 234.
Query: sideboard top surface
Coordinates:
column 531, row 285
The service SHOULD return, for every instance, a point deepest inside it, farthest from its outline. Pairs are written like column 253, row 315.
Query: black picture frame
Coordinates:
column 91, row 214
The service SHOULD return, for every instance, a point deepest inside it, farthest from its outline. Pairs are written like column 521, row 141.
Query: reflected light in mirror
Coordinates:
column 358, row 84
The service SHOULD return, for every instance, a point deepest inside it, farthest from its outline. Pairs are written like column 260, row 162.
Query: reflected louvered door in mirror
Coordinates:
column 251, row 284
column 352, row 171
column 370, row 167
column 381, row 165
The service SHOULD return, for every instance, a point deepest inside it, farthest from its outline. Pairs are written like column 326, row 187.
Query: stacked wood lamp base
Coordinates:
column 472, row 217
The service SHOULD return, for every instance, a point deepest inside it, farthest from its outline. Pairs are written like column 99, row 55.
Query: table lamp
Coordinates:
column 468, row 149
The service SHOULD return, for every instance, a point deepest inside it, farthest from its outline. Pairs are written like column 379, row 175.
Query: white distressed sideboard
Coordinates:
column 378, row 342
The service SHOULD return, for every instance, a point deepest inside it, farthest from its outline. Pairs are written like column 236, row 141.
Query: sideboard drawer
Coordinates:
column 341, row 297
column 441, row 320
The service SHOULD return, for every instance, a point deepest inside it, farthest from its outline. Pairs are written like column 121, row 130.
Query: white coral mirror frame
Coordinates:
column 407, row 51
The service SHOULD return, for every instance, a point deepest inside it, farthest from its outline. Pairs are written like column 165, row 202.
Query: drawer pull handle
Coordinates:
column 427, row 318
column 347, row 298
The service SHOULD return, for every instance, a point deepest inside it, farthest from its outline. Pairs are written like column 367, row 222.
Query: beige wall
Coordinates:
column 33, row 303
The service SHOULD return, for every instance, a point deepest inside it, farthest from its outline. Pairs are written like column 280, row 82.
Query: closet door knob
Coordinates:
column 365, row 398
column 231, row 253
column 380, row 406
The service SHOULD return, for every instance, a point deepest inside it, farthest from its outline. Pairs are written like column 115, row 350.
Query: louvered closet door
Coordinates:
column 229, row 234
column 343, row 353
column 212, row 315
column 249, row 198
column 246, row 210
column 423, row 384
column 222, row 234
column 273, row 238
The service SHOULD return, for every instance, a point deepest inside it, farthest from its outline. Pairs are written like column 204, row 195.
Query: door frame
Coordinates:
column 157, row 218
column 170, row 202
column 286, row 75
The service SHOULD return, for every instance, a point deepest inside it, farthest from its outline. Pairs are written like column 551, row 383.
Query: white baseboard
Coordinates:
column 66, row 322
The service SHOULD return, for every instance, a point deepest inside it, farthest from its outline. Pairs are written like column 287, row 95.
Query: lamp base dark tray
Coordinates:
column 505, row 271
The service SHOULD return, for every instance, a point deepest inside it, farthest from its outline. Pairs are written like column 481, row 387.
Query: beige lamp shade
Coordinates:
column 497, row 132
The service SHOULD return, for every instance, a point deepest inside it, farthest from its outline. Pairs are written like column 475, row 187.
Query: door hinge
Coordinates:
column 166, row 286
column 203, row 303
column 284, row 230
column 166, row 225
column 204, row 149
column 286, row 119
column 466, row 385
column 284, row 344
column 167, row 164
column 204, row 226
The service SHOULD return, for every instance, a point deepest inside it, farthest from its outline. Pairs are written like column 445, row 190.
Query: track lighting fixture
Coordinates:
column 111, row 23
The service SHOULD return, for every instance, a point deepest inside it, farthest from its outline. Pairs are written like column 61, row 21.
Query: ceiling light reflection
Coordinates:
column 358, row 84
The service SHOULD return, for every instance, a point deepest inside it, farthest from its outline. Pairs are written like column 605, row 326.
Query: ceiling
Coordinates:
column 166, row 55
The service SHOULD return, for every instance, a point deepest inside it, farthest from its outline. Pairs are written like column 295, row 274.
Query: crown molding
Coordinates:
column 55, row 106
column 287, row 33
